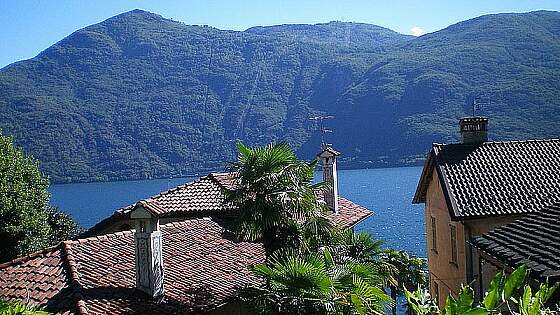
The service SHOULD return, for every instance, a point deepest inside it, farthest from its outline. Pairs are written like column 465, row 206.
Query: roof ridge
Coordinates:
column 102, row 237
column 74, row 282
column 105, row 237
column 163, row 193
column 219, row 173
column 435, row 144
column 23, row 259
column 183, row 222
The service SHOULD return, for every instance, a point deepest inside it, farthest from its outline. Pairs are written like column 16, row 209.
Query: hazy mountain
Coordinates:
column 140, row 96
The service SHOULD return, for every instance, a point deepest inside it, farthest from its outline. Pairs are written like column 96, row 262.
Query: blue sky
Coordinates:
column 29, row 26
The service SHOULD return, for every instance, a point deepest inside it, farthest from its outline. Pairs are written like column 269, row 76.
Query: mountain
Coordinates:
column 414, row 95
column 139, row 96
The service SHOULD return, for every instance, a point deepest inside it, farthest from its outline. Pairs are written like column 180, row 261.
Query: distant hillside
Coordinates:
column 140, row 96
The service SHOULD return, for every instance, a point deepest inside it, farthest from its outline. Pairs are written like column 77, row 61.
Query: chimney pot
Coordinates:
column 473, row 130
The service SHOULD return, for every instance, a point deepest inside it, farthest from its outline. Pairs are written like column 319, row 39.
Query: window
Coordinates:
column 434, row 234
column 453, row 238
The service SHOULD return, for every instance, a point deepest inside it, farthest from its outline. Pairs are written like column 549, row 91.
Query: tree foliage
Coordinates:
column 510, row 294
column 27, row 221
column 338, row 272
column 273, row 190
column 313, row 283
column 312, row 267
column 11, row 308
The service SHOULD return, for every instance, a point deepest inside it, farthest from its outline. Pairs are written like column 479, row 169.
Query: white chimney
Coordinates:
column 328, row 156
column 148, row 251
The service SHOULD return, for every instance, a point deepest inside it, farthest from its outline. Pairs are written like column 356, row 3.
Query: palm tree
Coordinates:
column 320, row 268
column 410, row 272
column 315, row 284
column 399, row 269
column 273, row 191
column 360, row 247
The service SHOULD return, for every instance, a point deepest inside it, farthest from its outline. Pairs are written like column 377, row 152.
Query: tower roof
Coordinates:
column 328, row 151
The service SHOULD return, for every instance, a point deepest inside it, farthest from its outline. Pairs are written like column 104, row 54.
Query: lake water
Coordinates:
column 386, row 191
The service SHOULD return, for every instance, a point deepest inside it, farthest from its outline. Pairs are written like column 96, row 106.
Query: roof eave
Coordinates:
column 501, row 263
column 362, row 219
column 449, row 199
column 425, row 178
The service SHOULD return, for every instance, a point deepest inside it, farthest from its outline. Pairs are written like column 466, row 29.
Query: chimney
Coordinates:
column 328, row 157
column 473, row 130
column 148, row 252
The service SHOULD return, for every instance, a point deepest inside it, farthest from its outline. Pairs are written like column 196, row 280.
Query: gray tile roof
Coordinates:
column 534, row 240
column 495, row 178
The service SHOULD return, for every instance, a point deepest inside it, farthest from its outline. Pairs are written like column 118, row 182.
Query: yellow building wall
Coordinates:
column 444, row 274
column 450, row 276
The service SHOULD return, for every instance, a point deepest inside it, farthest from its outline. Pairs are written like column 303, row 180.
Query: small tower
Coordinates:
column 328, row 157
column 148, row 251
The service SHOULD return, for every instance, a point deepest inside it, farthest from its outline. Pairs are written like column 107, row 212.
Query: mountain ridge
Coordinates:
column 140, row 96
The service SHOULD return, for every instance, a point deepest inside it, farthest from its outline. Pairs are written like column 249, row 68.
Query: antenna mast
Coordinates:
column 322, row 129
column 476, row 105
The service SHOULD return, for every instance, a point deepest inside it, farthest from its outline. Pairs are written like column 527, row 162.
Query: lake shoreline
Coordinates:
column 202, row 173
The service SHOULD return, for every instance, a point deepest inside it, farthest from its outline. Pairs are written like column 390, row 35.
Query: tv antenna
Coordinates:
column 476, row 105
column 322, row 129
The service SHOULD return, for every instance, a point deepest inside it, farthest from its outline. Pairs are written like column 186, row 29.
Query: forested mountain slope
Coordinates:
column 140, row 96
column 414, row 95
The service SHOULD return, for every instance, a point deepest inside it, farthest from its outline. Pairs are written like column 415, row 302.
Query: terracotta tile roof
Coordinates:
column 534, row 240
column 495, row 178
column 226, row 180
column 199, row 198
column 349, row 213
column 204, row 266
column 205, row 197
column 40, row 279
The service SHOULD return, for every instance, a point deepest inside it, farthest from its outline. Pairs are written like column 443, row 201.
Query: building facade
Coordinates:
column 472, row 187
